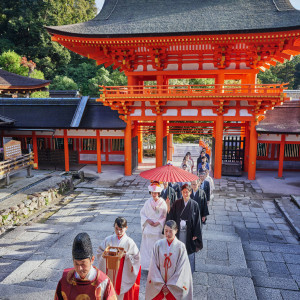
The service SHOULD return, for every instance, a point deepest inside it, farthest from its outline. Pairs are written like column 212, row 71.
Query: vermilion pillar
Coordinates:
column 281, row 156
column 246, row 148
column 98, row 151
column 218, row 147
column 66, row 149
column 127, row 148
column 170, row 146
column 35, row 150
column 140, row 144
column 159, row 141
column 252, row 151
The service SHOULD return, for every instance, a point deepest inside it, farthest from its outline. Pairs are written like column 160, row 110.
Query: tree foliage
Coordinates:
column 288, row 72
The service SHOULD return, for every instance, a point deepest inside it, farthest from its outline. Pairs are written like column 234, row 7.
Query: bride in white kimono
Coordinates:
column 153, row 216
column 170, row 275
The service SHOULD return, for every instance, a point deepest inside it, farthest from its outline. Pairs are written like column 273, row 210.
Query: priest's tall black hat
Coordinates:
column 82, row 246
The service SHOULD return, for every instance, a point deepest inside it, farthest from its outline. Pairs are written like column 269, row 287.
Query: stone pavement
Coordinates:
column 249, row 250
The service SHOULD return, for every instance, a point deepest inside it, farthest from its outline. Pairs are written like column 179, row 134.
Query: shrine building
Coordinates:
column 160, row 41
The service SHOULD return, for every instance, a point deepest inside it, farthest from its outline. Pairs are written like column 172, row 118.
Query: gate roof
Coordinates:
column 179, row 17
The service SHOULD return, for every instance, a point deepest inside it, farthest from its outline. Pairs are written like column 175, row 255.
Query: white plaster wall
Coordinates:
column 244, row 113
column 269, row 137
column 137, row 113
column 230, row 113
column 112, row 133
column 208, row 113
column 171, row 112
column 189, row 112
column 116, row 157
column 82, row 132
column 292, row 138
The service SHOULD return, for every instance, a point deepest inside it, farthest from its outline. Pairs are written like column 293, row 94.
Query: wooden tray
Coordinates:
column 113, row 256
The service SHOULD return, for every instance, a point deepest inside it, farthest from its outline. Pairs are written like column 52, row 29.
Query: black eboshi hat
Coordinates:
column 82, row 247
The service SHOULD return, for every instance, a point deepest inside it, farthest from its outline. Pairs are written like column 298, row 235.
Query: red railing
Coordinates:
column 192, row 90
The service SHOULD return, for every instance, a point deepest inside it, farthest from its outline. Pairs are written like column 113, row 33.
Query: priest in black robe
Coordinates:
column 185, row 212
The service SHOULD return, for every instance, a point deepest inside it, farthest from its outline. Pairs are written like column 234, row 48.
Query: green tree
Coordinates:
column 282, row 73
column 22, row 29
column 61, row 82
column 11, row 62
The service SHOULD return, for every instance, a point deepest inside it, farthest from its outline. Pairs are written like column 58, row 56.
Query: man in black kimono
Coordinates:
column 185, row 212
column 200, row 197
column 177, row 188
column 168, row 193
column 204, row 185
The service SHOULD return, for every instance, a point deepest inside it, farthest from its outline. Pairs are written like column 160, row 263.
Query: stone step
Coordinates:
column 221, row 236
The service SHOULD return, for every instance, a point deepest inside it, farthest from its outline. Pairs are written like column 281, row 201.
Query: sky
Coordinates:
column 99, row 4
column 296, row 3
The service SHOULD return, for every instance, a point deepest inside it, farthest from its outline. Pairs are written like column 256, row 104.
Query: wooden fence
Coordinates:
column 14, row 165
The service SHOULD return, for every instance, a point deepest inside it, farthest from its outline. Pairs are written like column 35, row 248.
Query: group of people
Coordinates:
column 171, row 222
column 202, row 165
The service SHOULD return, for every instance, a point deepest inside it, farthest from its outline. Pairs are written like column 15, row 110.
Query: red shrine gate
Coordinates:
column 153, row 45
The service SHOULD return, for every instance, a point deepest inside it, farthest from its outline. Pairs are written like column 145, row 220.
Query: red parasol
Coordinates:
column 169, row 173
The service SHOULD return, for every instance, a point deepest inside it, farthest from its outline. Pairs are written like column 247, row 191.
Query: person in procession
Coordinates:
column 153, row 217
column 200, row 197
column 204, row 185
column 84, row 281
column 126, row 279
column 199, row 160
column 169, row 274
column 211, row 184
column 185, row 212
column 168, row 194
column 177, row 187
column 184, row 165
column 206, row 154
column 203, row 166
column 189, row 162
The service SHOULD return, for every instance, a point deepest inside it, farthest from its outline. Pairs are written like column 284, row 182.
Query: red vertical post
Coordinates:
column 159, row 141
column 140, row 144
column 252, row 151
column 170, row 146
column 66, row 150
column 127, row 148
column 281, row 156
column 35, row 150
column 218, row 147
column 246, row 148
column 98, row 151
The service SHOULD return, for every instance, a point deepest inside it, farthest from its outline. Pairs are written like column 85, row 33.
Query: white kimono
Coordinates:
column 157, row 212
column 132, row 262
column 170, row 266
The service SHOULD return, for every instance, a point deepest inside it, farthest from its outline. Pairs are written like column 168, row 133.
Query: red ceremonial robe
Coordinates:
column 69, row 287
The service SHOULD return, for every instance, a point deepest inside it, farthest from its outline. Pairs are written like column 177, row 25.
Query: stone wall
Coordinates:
column 18, row 214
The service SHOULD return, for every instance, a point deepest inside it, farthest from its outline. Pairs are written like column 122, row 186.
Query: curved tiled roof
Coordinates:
column 178, row 17
column 283, row 119
column 13, row 81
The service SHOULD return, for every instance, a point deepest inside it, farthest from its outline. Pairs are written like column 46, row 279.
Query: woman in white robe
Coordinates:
column 170, row 275
column 126, row 279
column 153, row 216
